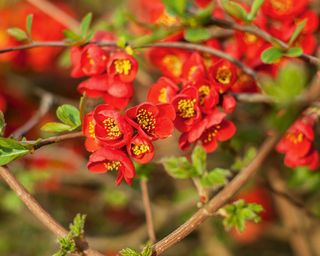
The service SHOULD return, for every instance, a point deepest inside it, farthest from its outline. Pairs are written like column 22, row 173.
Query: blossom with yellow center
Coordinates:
column 111, row 127
column 224, row 75
column 139, row 149
column 173, row 64
column 146, row 120
column 186, row 108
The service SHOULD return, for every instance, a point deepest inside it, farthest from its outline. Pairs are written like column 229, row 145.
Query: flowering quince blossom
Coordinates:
column 297, row 145
column 107, row 159
column 140, row 149
column 162, row 91
column 153, row 121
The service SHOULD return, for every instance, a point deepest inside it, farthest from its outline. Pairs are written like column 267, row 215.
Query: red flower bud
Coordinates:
column 229, row 103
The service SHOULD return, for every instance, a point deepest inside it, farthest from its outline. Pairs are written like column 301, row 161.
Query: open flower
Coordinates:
column 187, row 109
column 106, row 159
column 284, row 9
column 123, row 67
column 162, row 91
column 153, row 121
column 223, row 75
column 193, row 69
column 93, row 60
column 140, row 149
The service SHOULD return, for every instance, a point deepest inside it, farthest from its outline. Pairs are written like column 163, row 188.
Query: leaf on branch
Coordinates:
column 179, row 167
column 294, row 52
column 29, row 21
column 129, row 252
column 85, row 25
column 217, row 177
column 240, row 163
column 176, row 7
column 195, row 35
column 271, row 55
column 239, row 212
column 199, row 159
column 10, row 150
column 17, row 33
column 77, row 226
column 234, row 9
column 300, row 26
column 256, row 5
column 56, row 127
column 69, row 115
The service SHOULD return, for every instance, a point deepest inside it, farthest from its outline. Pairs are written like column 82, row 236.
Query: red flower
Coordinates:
column 114, row 92
column 123, row 67
column 162, row 91
column 297, row 145
column 140, row 149
column 169, row 61
column 208, row 96
column 284, row 9
column 217, row 129
column 193, row 69
column 152, row 121
column 223, row 75
column 187, row 109
column 93, row 60
column 106, row 159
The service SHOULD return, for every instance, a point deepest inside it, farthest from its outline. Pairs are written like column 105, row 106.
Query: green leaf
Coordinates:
column 77, row 226
column 175, row 7
column 256, row 5
column 271, row 55
column 195, row 35
column 239, row 212
column 2, row 124
column 18, row 34
column 199, row 159
column 294, row 52
column 85, row 24
column 147, row 250
column 234, row 9
column 240, row 163
column 204, row 14
column 71, row 36
column 129, row 252
column 10, row 150
column 56, row 127
column 69, row 115
column 215, row 178
column 297, row 31
column 179, row 167
column 29, row 24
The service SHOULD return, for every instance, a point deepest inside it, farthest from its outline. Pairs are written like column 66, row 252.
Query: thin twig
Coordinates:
column 41, row 214
column 45, row 104
column 147, row 210
column 56, row 13
column 260, row 33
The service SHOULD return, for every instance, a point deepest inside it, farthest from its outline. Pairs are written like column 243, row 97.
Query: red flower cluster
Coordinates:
column 197, row 104
column 297, row 145
column 110, row 72
column 114, row 138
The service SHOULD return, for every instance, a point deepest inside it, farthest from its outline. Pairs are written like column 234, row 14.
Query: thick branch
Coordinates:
column 42, row 215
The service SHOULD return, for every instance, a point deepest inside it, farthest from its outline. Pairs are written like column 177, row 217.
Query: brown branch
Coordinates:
column 218, row 201
column 260, row 33
column 46, row 102
column 56, row 139
column 147, row 210
column 56, row 13
column 41, row 214
column 291, row 218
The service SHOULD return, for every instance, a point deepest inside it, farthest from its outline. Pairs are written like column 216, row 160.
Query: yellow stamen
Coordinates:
column 174, row 64
column 282, row 6
column 112, row 165
column 111, row 127
column 123, row 66
column 146, row 120
column 203, row 90
column 163, row 97
column 224, row 75
column 186, row 108
column 140, row 149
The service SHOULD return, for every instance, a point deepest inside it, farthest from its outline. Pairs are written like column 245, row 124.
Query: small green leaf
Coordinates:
column 256, row 5
column 294, row 52
column 195, row 35
column 10, row 150
column 69, row 115
column 297, row 31
column 199, row 159
column 129, row 252
column 240, row 163
column 271, row 55
column 56, row 127
column 204, row 14
column 215, row 178
column 234, row 9
column 147, row 250
column 18, row 34
column 29, row 24
column 175, row 7
column 2, row 124
column 77, row 226
column 239, row 212
column 85, row 24
column 71, row 36
column 179, row 167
